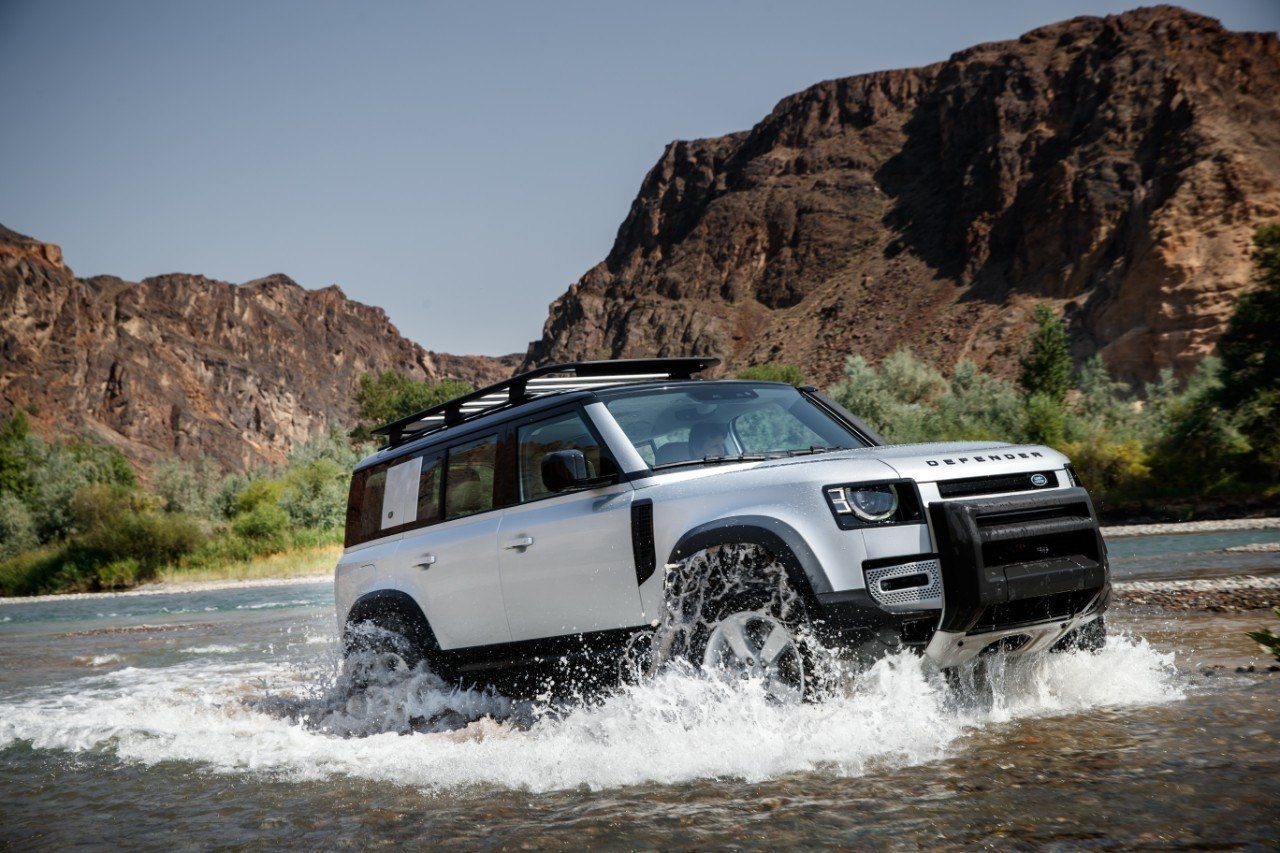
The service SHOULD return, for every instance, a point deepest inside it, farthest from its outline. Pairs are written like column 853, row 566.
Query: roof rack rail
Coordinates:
column 553, row 378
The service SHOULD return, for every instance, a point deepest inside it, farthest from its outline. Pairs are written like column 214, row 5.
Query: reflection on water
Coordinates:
column 229, row 724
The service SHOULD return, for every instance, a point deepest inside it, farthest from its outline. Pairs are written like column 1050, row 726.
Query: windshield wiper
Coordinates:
column 808, row 451
column 720, row 460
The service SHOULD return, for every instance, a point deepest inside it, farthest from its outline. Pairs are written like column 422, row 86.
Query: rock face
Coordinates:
column 1112, row 167
column 185, row 365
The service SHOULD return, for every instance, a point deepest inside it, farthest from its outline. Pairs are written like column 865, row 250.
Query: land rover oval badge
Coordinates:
column 1039, row 480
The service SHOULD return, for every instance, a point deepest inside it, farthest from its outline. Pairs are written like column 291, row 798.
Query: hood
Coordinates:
column 949, row 460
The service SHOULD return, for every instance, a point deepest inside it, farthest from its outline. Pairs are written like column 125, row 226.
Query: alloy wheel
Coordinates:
column 757, row 646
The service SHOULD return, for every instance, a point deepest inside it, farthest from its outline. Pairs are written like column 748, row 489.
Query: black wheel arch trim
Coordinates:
column 377, row 605
column 778, row 537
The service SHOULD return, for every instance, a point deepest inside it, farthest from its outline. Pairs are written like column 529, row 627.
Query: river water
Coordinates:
column 216, row 719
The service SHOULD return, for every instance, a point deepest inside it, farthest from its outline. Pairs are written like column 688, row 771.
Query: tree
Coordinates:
column 1250, row 351
column 20, row 455
column 390, row 395
column 788, row 373
column 1199, row 443
column 1046, row 368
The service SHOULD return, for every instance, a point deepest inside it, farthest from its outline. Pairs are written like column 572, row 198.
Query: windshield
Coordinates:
column 713, row 422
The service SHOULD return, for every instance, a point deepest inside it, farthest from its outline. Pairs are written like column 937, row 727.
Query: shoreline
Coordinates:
column 169, row 587
column 1118, row 531
column 173, row 588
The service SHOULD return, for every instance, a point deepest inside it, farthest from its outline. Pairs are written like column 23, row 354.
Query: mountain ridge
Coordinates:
column 1111, row 167
column 186, row 365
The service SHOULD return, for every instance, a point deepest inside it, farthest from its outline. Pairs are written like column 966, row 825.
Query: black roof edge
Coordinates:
column 397, row 431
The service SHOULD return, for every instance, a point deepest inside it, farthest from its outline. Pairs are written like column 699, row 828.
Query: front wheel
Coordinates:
column 755, row 645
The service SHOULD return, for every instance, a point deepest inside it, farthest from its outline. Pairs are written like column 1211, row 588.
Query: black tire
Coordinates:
column 384, row 645
column 1090, row 637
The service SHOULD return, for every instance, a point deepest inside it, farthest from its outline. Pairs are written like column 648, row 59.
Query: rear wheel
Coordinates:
column 380, row 648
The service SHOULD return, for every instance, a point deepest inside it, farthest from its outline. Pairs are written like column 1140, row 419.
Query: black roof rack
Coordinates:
column 578, row 375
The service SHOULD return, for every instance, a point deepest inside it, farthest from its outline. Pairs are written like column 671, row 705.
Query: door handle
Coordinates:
column 428, row 560
column 519, row 543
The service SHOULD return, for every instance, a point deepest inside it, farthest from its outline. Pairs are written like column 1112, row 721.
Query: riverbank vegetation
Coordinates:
column 74, row 517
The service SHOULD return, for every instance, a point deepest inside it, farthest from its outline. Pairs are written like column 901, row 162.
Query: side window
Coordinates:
column 563, row 432
column 468, row 486
column 364, row 505
column 429, row 483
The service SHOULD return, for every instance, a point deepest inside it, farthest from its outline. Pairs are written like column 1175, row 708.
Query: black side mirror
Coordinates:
column 567, row 469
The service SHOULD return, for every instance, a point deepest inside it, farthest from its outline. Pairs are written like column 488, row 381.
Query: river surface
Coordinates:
column 217, row 719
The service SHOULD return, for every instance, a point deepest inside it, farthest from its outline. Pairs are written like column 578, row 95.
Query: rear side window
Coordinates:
column 564, row 432
column 469, row 472
column 364, row 505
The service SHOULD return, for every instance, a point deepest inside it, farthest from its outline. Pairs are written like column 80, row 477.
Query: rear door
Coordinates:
column 449, row 558
column 566, row 561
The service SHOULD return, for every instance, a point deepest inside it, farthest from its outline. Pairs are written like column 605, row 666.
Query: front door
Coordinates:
column 452, row 562
column 566, row 560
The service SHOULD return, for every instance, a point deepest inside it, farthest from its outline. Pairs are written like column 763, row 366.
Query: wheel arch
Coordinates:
column 804, row 570
column 395, row 610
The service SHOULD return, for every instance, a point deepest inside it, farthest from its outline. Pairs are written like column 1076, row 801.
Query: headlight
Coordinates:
column 873, row 503
column 863, row 504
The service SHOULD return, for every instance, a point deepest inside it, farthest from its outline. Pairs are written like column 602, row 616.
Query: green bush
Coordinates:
column 1264, row 637
column 977, row 406
column 1109, row 469
column 17, row 528
column 1046, row 420
column 390, row 395
column 788, row 373
column 315, row 494
column 1197, row 443
column 63, row 471
column 152, row 539
column 120, row 574
column 265, row 522
column 316, row 480
column 99, row 505
column 257, row 493
column 31, row 572
column 20, row 455
column 187, row 487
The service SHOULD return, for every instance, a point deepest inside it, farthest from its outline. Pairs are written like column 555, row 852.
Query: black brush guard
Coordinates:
column 1018, row 559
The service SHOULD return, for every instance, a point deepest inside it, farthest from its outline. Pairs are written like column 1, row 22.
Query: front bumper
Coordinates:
column 1031, row 567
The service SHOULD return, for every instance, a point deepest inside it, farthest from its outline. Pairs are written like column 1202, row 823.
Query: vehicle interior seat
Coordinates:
column 672, row 451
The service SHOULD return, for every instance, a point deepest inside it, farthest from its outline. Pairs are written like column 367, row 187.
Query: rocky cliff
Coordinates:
column 1113, row 167
column 182, row 364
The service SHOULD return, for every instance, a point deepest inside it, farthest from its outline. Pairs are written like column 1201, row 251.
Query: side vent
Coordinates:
column 642, row 539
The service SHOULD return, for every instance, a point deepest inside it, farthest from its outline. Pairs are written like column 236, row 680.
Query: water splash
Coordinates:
column 272, row 718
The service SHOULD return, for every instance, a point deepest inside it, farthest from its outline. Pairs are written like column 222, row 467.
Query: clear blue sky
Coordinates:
column 459, row 164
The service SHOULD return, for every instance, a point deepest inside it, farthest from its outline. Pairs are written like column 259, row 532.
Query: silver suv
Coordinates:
column 580, row 508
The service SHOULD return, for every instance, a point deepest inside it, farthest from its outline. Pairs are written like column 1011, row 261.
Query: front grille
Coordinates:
column 1014, row 559
column 995, row 485
column 1062, row 531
